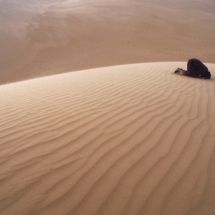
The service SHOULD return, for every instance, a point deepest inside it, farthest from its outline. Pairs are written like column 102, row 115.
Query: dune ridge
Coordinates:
column 128, row 139
column 47, row 37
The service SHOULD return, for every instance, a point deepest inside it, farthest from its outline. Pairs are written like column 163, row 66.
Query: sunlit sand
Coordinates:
column 87, row 126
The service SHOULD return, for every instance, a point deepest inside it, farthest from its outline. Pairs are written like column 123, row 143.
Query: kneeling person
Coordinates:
column 195, row 68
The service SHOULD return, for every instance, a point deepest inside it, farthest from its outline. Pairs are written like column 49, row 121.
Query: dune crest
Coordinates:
column 47, row 37
column 128, row 139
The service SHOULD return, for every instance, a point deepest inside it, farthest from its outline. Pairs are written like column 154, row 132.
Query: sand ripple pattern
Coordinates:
column 123, row 140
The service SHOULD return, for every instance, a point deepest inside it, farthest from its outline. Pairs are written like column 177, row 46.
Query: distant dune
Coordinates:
column 45, row 37
column 132, row 139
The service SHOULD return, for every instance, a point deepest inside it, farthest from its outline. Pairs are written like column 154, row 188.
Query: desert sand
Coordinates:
column 92, row 119
column 130, row 139
column 45, row 37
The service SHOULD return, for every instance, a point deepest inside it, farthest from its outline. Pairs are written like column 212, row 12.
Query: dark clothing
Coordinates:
column 196, row 68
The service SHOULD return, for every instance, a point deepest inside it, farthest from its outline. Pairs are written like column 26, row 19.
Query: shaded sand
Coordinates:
column 130, row 139
column 44, row 37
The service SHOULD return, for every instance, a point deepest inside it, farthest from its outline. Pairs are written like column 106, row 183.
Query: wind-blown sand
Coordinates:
column 134, row 139
column 45, row 37
column 130, row 139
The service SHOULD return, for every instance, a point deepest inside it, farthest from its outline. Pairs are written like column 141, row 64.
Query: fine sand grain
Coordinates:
column 130, row 140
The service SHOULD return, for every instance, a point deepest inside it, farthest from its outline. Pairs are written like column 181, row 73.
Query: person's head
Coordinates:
column 207, row 75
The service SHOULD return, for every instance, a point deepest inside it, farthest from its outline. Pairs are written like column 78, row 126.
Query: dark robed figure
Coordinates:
column 195, row 68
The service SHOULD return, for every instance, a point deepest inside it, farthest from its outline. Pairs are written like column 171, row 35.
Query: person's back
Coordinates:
column 195, row 68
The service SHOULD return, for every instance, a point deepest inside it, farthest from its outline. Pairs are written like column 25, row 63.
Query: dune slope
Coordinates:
column 130, row 139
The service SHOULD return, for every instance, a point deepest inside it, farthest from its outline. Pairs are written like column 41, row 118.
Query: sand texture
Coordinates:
column 131, row 140
column 45, row 37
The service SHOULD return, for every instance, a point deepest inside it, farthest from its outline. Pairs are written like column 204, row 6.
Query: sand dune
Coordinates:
column 47, row 37
column 130, row 139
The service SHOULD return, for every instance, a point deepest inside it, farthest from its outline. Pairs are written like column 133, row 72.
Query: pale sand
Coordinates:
column 44, row 37
column 130, row 139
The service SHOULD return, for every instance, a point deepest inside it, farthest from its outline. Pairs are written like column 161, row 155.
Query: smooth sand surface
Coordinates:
column 44, row 37
column 130, row 139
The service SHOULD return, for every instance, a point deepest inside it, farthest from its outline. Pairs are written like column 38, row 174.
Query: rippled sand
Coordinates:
column 130, row 139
